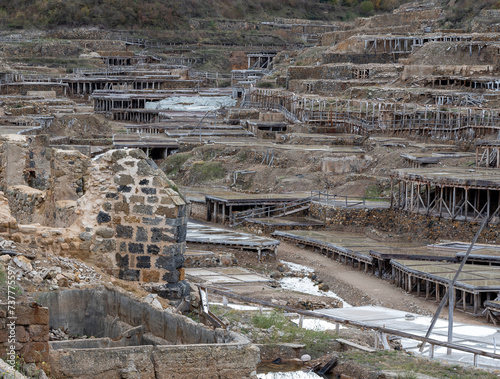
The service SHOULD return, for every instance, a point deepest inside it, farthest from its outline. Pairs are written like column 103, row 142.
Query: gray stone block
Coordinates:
column 123, row 231
column 141, row 234
column 143, row 209
column 136, row 248
column 103, row 217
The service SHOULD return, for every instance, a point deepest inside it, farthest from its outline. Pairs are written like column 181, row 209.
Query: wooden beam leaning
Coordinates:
column 453, row 281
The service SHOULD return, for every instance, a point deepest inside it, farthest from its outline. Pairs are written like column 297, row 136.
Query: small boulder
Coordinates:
column 324, row 287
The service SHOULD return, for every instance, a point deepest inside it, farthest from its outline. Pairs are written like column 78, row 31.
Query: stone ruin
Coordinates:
column 118, row 210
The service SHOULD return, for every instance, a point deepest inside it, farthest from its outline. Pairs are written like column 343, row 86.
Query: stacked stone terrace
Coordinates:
column 397, row 74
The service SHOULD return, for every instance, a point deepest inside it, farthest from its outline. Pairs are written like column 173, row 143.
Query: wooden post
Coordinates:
column 451, row 306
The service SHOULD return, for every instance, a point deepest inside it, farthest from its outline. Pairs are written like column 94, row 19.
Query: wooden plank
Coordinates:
column 355, row 345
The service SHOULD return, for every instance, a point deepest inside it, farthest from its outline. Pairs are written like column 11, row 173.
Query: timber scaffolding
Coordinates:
column 223, row 208
column 276, row 210
column 455, row 193
column 139, row 69
column 365, row 117
column 479, row 83
column 87, row 85
column 406, row 44
column 129, row 106
column 107, row 101
column 418, row 270
column 475, row 286
column 488, row 153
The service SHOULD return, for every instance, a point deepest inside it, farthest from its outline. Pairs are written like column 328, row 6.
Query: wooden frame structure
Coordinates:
column 419, row 271
column 432, row 279
column 492, row 311
column 488, row 153
column 458, row 194
column 366, row 117
column 336, row 252
column 405, row 44
column 222, row 209
column 381, row 332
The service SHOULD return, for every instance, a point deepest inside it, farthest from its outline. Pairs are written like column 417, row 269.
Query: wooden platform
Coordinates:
column 206, row 234
column 475, row 285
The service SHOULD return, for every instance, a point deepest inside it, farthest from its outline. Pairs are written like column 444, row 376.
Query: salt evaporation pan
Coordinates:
column 192, row 103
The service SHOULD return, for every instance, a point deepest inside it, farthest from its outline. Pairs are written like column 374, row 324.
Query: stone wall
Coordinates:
column 222, row 24
column 13, row 160
column 361, row 58
column 136, row 220
column 304, row 72
column 198, row 211
column 119, row 210
column 31, row 333
column 413, row 20
column 405, row 224
column 486, row 21
column 344, row 71
column 69, row 173
column 27, row 204
column 195, row 350
column 23, row 88
column 40, row 49
column 328, row 87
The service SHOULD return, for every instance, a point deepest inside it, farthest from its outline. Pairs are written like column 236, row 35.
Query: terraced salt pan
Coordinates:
column 192, row 103
column 200, row 233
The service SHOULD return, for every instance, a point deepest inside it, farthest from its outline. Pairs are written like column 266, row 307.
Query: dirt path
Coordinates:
column 358, row 288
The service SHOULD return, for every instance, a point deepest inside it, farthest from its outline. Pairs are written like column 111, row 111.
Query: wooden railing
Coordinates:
column 277, row 210
column 381, row 332
column 323, row 196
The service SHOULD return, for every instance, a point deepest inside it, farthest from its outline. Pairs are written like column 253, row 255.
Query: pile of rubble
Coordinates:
column 61, row 334
column 53, row 272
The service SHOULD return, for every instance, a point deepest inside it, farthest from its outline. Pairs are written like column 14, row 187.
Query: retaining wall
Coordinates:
column 177, row 346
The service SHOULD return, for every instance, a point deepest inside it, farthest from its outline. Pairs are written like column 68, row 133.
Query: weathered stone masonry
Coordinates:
column 139, row 220
column 118, row 210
